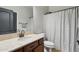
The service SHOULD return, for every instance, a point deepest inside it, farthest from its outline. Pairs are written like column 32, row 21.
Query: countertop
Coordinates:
column 15, row 43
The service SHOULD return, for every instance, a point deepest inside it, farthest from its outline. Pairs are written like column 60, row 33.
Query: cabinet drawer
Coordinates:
column 41, row 41
column 31, row 46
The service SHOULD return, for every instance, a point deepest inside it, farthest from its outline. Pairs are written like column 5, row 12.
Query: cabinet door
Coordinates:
column 40, row 48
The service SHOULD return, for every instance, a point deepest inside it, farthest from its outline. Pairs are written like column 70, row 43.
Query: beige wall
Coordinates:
column 38, row 12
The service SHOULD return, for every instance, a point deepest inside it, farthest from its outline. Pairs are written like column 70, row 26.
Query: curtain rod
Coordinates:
column 63, row 9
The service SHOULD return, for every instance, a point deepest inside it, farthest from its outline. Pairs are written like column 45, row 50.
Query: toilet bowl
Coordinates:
column 49, row 45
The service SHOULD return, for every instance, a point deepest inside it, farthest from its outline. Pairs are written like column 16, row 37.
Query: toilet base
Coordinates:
column 46, row 49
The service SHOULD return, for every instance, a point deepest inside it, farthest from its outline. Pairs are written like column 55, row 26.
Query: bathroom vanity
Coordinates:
column 36, row 46
column 29, row 43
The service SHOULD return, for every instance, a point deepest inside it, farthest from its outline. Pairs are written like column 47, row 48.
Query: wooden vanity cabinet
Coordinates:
column 36, row 46
column 18, row 50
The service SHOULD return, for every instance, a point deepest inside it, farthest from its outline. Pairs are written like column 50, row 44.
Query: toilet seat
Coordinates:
column 48, row 44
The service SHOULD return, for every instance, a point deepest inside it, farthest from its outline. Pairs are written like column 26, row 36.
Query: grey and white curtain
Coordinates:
column 60, row 28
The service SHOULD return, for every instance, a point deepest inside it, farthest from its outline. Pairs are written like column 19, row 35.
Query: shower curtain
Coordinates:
column 60, row 28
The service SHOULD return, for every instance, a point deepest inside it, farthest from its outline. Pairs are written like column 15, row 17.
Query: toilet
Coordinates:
column 49, row 45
